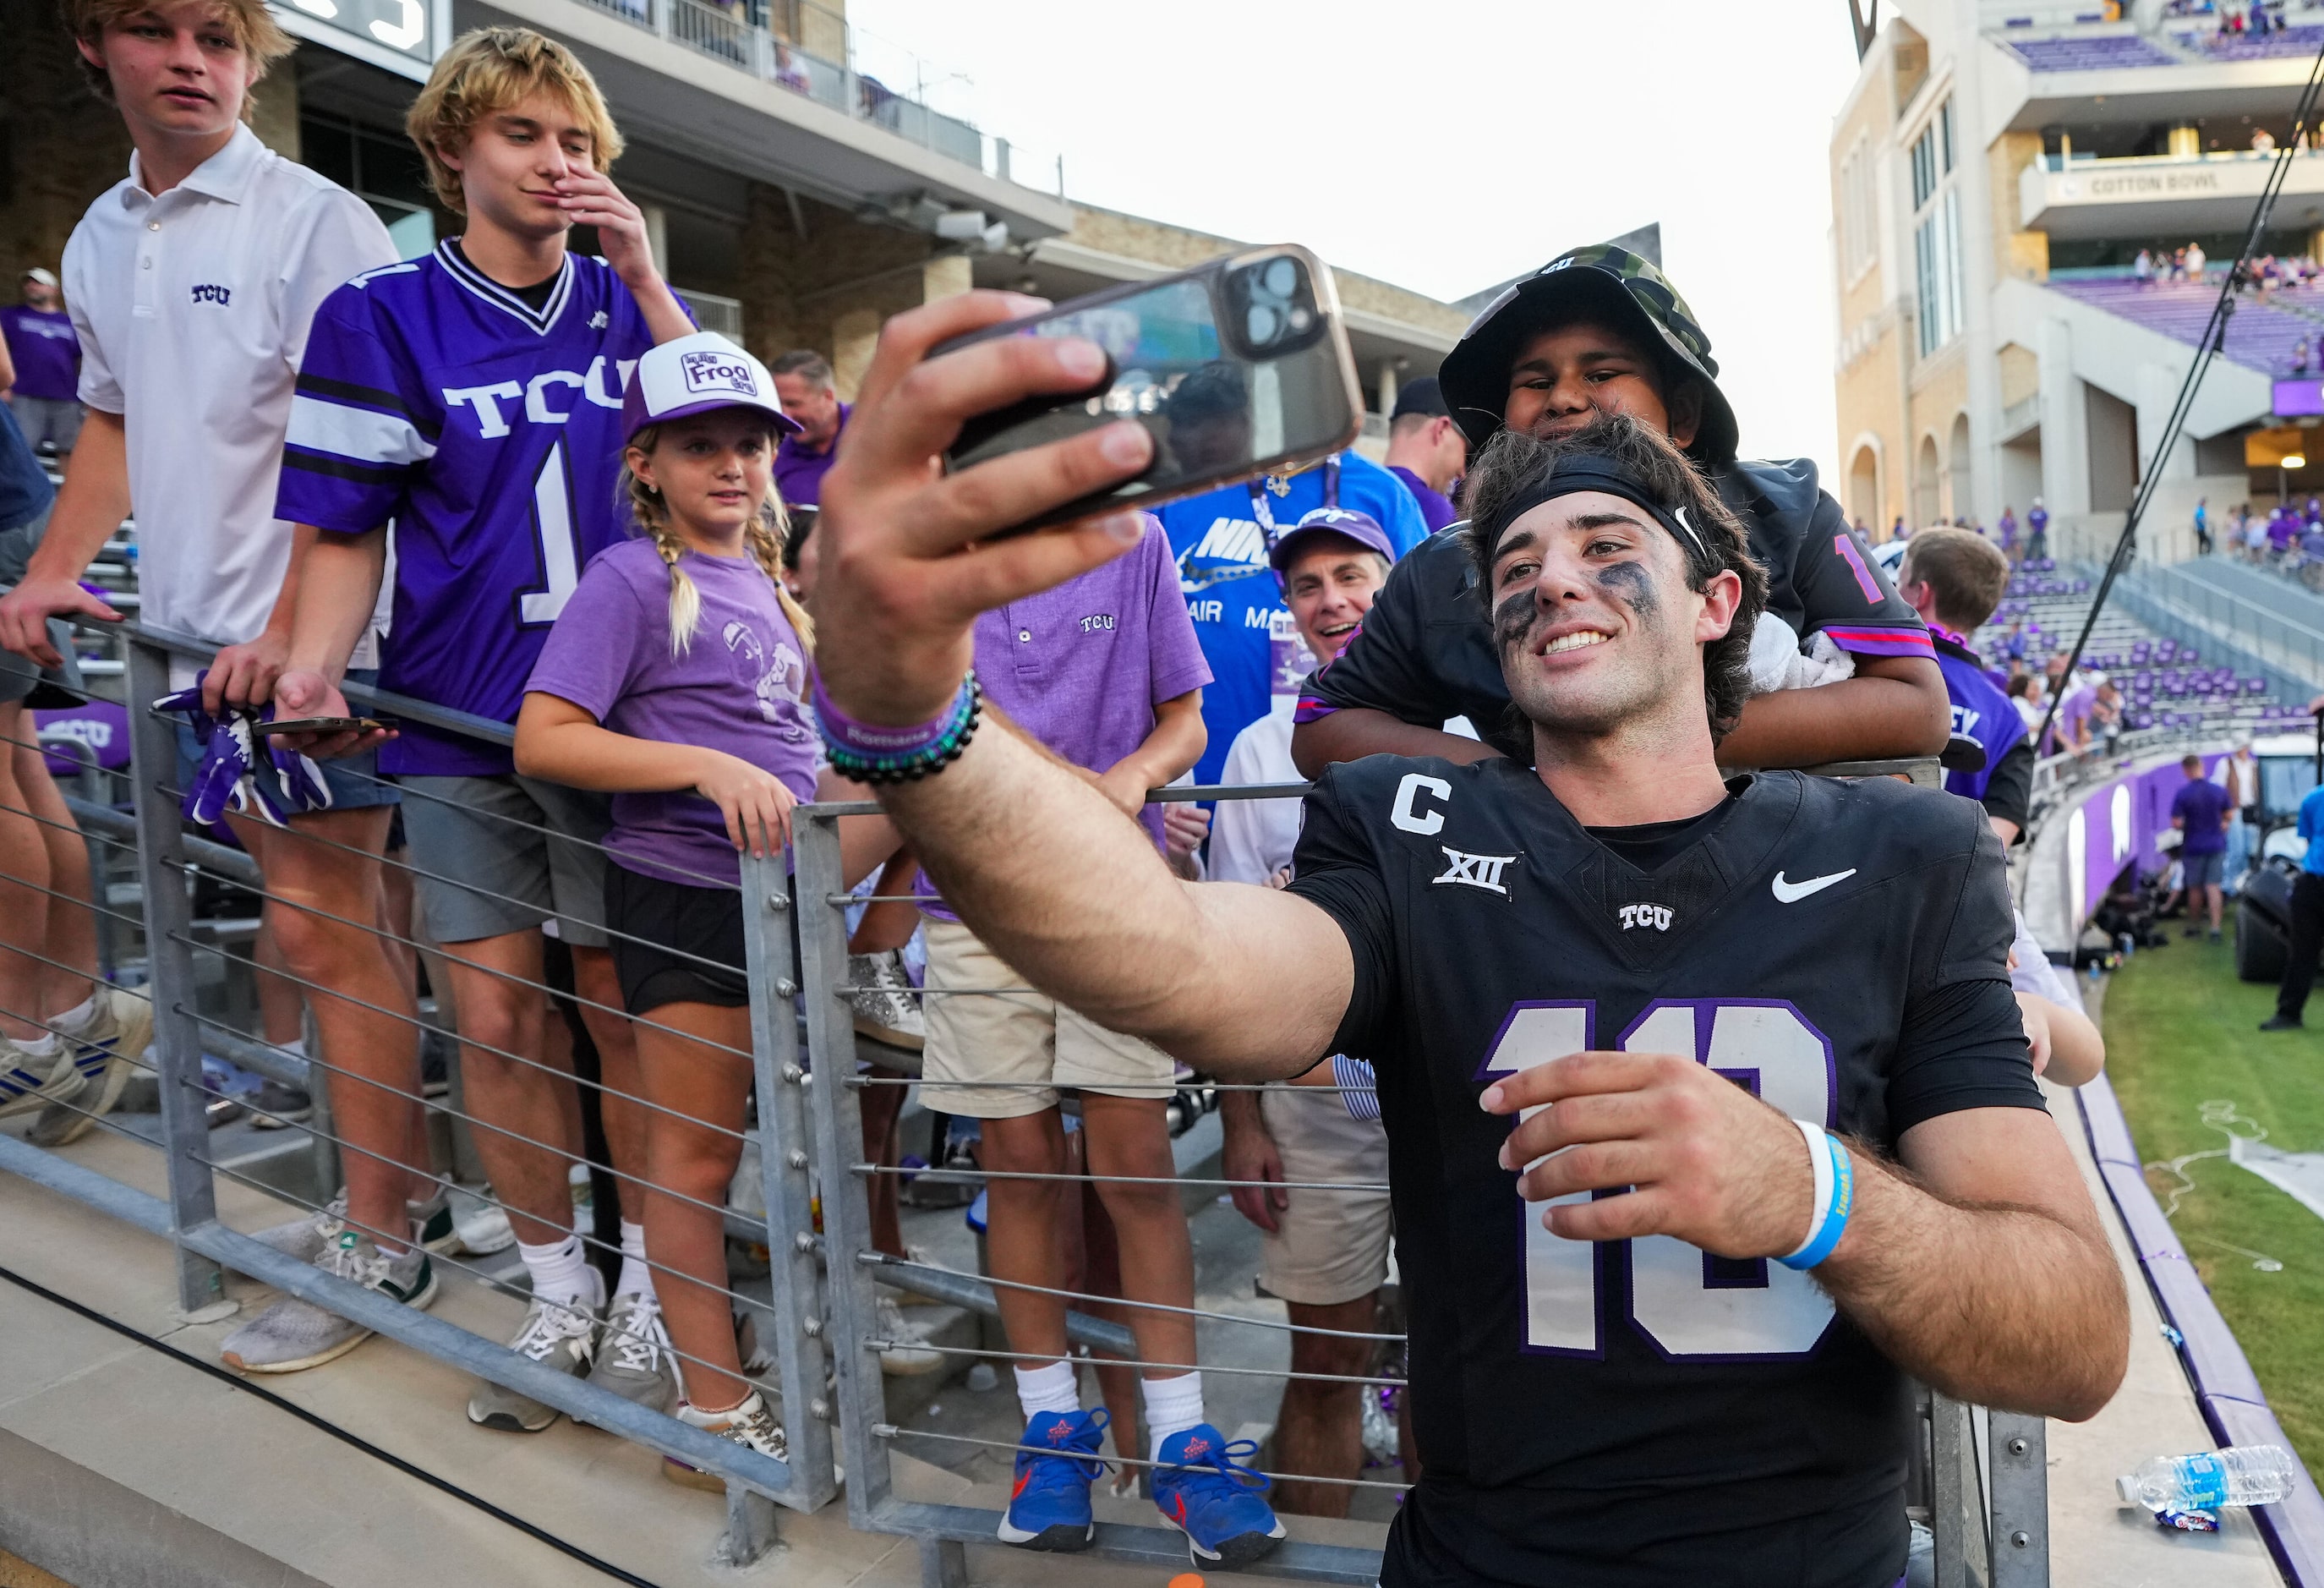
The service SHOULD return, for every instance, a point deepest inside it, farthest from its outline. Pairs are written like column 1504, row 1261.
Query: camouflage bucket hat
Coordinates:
column 1628, row 291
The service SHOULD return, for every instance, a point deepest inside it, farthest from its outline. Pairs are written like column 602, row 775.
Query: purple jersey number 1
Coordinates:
column 1845, row 544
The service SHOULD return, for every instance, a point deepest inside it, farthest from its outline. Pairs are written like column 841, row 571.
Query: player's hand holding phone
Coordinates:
column 1705, row 1160
column 903, row 561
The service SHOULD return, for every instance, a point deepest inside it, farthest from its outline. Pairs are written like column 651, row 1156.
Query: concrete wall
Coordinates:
column 63, row 146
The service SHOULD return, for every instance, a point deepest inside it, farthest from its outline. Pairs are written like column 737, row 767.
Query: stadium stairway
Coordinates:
column 2261, row 337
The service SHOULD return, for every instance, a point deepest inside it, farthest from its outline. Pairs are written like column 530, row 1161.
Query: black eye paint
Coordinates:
column 1513, row 620
column 1629, row 583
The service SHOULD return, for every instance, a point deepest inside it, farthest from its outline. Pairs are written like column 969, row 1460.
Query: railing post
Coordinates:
column 2018, row 1459
column 170, row 974
column 839, row 1144
column 1951, row 1487
column 783, row 1165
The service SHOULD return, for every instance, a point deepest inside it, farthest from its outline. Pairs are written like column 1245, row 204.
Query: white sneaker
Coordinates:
column 905, row 1355
column 750, row 1425
column 29, row 1082
column 564, row 1337
column 292, row 1334
column 887, row 1005
column 306, row 1239
column 108, row 1048
column 483, row 1230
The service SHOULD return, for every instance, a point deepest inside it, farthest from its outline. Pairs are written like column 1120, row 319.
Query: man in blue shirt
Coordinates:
column 2307, row 923
column 1221, row 539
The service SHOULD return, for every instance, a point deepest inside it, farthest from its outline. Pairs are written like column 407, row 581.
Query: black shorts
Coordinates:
column 700, row 923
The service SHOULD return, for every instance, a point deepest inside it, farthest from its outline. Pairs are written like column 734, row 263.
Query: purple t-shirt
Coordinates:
column 2202, row 806
column 737, row 687
column 800, row 471
column 46, row 352
column 1437, row 508
column 1082, row 667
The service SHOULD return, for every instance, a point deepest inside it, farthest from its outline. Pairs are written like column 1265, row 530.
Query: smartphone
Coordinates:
column 1237, row 368
column 322, row 724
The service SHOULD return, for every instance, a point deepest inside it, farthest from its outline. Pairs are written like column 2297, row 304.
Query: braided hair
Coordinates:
column 763, row 535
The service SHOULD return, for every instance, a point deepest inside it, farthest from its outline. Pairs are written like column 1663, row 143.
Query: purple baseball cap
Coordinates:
column 699, row 374
column 1346, row 522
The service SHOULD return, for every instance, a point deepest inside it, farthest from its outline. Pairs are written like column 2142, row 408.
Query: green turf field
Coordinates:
column 2180, row 1032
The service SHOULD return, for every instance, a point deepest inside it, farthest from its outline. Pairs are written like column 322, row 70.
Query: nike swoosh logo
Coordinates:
column 1792, row 892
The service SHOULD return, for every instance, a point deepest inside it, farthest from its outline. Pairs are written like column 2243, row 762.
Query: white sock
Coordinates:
column 295, row 1046
column 44, row 1046
column 78, row 1016
column 635, row 1277
column 1173, row 1405
column 560, row 1271
column 584, row 1206
column 1055, row 1386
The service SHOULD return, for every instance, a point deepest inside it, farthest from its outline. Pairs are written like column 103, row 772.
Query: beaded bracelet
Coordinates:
column 870, row 754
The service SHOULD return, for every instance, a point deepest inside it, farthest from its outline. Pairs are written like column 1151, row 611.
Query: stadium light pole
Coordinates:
column 2214, row 339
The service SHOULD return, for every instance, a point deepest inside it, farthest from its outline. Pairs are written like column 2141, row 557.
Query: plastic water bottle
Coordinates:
column 2246, row 1474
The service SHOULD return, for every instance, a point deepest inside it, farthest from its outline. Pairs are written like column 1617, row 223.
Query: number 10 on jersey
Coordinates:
column 1687, row 1303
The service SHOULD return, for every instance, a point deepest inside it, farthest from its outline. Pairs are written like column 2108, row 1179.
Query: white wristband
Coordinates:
column 1819, row 1211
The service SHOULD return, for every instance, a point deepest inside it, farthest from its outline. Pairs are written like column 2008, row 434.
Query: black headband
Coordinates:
column 1595, row 472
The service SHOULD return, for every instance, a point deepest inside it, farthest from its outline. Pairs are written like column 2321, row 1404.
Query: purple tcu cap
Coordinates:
column 1346, row 522
column 698, row 375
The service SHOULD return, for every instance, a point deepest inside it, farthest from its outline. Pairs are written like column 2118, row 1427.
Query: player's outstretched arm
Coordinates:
column 1246, row 981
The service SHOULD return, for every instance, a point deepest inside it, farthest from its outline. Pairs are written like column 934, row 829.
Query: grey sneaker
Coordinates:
column 294, row 1335
column 887, row 1005
column 750, row 1425
column 906, row 1353
column 107, row 1050
column 634, row 1360
column 307, row 1239
column 29, row 1082
column 560, row 1337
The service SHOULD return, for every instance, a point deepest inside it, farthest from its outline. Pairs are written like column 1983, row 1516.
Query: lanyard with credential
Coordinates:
column 1263, row 509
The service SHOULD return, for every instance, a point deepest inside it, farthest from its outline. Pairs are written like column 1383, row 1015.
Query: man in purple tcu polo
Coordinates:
column 2200, row 810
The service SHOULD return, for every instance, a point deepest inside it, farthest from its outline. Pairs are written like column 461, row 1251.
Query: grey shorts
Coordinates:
column 51, row 422
column 513, row 876
column 2201, row 871
column 18, row 676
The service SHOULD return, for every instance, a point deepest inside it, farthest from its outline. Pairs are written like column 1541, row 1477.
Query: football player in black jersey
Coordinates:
column 1614, row 982
column 1600, row 330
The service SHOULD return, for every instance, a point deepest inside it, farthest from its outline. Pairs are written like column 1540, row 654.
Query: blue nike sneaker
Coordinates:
column 1207, row 1494
column 1056, row 1462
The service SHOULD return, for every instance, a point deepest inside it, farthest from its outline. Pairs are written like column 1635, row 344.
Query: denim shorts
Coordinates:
column 354, row 780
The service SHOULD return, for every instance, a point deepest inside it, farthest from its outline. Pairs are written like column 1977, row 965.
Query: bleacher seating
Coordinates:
column 2092, row 53
column 2260, row 336
column 2303, row 41
column 2165, row 685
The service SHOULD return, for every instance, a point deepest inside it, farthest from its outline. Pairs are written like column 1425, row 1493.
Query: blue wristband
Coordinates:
column 1833, row 1217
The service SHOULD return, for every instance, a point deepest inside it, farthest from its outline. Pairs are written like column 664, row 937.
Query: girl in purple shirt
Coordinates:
column 674, row 679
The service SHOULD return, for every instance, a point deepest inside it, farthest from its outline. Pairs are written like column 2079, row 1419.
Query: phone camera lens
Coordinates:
column 1301, row 320
column 1281, row 278
column 1263, row 323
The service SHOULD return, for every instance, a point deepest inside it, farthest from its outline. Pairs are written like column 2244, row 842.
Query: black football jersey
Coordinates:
column 1641, row 1412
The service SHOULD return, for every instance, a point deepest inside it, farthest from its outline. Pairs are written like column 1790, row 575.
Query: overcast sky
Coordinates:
column 1448, row 146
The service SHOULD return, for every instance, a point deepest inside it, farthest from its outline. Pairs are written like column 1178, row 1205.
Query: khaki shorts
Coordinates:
column 1331, row 1246
column 1021, row 1037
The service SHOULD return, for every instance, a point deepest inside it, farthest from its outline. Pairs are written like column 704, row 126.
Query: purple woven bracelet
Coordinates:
column 873, row 742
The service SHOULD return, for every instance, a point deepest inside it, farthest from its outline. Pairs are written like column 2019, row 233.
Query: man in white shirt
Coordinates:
column 192, row 285
column 1325, row 1252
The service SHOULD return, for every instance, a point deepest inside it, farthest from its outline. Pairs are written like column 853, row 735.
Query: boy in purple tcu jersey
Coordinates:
column 474, row 397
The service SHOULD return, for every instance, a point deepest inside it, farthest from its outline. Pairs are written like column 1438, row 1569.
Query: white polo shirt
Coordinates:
column 193, row 309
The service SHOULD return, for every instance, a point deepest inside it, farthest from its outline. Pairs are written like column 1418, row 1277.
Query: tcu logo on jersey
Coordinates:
column 1657, row 916
column 1475, row 871
column 716, row 372
column 211, row 292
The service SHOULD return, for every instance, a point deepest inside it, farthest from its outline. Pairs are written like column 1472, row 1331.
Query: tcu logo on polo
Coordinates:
column 1657, row 916
column 211, row 292
column 1475, row 871
column 717, row 372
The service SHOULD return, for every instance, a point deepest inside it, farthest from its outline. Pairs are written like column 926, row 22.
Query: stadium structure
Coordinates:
column 1996, row 171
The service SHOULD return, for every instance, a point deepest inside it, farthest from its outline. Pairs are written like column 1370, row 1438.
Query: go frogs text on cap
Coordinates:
column 699, row 374
column 1629, row 293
